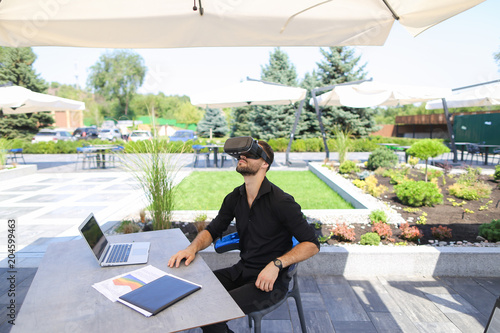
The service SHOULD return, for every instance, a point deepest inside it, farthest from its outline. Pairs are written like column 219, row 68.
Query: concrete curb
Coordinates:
column 371, row 261
column 18, row 171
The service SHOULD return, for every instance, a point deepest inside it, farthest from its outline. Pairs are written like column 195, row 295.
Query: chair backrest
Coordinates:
column 473, row 148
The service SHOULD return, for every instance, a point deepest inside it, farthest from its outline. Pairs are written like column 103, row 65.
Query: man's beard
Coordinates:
column 246, row 170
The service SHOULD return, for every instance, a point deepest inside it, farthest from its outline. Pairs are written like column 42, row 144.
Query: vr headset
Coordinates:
column 245, row 145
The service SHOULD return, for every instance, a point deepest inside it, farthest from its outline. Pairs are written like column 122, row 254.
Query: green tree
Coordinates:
column 214, row 120
column 240, row 125
column 426, row 148
column 188, row 114
column 16, row 68
column 267, row 122
column 340, row 66
column 117, row 76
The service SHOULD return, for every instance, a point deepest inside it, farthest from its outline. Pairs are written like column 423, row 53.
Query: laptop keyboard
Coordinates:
column 119, row 253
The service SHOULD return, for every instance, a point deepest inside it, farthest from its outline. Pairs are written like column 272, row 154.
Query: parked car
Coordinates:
column 86, row 133
column 111, row 134
column 183, row 135
column 52, row 135
column 139, row 136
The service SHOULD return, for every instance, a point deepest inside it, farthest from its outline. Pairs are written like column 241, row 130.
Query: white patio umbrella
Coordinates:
column 173, row 23
column 249, row 92
column 16, row 99
column 483, row 95
column 372, row 93
column 367, row 93
column 254, row 92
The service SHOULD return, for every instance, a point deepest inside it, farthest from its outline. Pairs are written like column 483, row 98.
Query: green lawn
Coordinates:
column 204, row 190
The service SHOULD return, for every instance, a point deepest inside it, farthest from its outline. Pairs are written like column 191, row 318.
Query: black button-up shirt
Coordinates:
column 266, row 228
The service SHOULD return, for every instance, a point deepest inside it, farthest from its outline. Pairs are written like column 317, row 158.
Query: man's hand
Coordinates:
column 201, row 241
column 267, row 277
column 176, row 259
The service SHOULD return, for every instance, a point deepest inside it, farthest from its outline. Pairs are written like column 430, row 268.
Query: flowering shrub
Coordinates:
column 372, row 188
column 382, row 229
column 441, row 232
column 359, row 183
column 410, row 233
column 343, row 232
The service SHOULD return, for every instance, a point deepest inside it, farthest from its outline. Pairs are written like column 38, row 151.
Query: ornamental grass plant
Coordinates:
column 155, row 167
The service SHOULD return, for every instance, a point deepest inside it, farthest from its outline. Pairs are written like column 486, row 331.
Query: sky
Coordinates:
column 455, row 53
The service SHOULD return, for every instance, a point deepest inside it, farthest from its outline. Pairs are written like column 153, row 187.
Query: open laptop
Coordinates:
column 115, row 254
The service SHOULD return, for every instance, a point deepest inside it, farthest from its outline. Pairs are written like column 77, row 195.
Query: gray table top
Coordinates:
column 62, row 299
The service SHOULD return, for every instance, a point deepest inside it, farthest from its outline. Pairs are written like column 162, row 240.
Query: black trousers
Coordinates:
column 240, row 283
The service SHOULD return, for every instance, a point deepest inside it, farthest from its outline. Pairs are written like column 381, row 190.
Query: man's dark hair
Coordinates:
column 269, row 152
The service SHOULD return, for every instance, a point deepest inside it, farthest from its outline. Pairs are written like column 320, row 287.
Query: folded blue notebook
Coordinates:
column 160, row 293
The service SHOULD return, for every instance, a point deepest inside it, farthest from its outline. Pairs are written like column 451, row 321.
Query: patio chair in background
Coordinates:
column 495, row 154
column 15, row 154
column 225, row 157
column 474, row 150
column 86, row 156
column 114, row 151
column 198, row 152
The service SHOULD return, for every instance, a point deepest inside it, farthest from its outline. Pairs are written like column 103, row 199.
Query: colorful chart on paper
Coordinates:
column 130, row 281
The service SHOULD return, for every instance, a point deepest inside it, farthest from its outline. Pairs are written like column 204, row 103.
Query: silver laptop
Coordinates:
column 115, row 254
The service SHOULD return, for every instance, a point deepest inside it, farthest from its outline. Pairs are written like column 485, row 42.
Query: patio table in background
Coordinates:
column 463, row 147
column 100, row 151
column 486, row 151
column 215, row 149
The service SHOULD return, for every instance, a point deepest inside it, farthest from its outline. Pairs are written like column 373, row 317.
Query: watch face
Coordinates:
column 278, row 263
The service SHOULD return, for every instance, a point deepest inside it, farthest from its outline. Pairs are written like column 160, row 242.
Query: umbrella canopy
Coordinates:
column 371, row 93
column 483, row 95
column 249, row 92
column 173, row 23
column 15, row 100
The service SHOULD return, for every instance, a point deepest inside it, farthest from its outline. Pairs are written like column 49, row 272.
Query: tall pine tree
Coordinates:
column 214, row 120
column 340, row 66
column 240, row 125
column 17, row 69
column 267, row 122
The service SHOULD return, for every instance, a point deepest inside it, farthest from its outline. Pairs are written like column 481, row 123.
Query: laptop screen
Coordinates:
column 94, row 236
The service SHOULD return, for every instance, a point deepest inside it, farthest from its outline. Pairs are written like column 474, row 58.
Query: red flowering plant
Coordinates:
column 410, row 233
column 343, row 232
column 382, row 229
column 441, row 232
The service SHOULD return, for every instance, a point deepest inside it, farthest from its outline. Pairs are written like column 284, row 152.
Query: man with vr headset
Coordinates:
column 266, row 220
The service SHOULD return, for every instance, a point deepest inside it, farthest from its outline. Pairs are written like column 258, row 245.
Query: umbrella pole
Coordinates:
column 294, row 128
column 450, row 130
column 318, row 114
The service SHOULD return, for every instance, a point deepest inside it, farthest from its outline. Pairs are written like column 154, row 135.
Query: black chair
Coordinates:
column 198, row 152
column 495, row 154
column 230, row 242
column 474, row 150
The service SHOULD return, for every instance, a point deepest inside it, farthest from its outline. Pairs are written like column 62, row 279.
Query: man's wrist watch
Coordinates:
column 278, row 264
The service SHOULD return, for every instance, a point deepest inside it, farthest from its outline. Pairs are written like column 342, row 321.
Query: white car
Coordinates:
column 52, row 135
column 111, row 134
column 140, row 135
